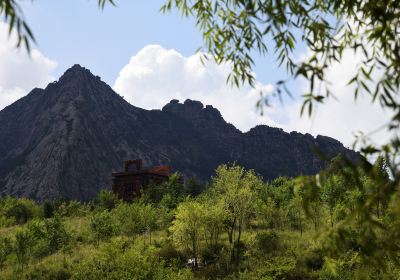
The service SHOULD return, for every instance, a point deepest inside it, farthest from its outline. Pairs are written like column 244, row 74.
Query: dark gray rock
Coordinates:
column 66, row 139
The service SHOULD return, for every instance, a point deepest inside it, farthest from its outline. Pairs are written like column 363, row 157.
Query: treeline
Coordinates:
column 336, row 225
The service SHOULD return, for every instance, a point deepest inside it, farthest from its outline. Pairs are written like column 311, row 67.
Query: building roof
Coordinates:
column 162, row 170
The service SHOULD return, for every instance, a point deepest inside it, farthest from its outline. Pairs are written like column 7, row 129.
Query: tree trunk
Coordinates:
column 238, row 243
column 194, row 250
column 230, row 231
column 301, row 229
column 378, row 208
column 150, row 237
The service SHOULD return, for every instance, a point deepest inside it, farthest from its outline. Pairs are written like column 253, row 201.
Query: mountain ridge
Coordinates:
column 66, row 139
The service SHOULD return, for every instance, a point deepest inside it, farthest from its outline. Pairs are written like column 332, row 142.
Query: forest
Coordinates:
column 335, row 225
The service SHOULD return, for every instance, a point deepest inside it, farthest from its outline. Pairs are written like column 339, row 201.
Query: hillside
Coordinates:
column 66, row 139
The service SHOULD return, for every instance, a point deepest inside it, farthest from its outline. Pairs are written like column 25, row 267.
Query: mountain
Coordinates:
column 66, row 139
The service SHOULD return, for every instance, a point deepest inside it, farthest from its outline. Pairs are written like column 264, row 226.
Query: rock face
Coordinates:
column 66, row 139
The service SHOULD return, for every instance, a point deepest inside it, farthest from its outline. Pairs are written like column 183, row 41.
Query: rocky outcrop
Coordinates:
column 66, row 139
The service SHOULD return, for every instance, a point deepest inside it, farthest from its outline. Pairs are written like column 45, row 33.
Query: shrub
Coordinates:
column 278, row 268
column 5, row 250
column 314, row 258
column 267, row 241
column 210, row 254
column 129, row 218
column 102, row 226
column 169, row 253
column 75, row 208
column 22, row 247
column 18, row 211
column 56, row 233
column 48, row 273
column 107, row 200
column 48, row 209
column 72, row 208
column 47, row 236
column 130, row 264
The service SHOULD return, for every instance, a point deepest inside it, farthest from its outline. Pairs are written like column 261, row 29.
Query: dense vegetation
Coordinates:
column 238, row 228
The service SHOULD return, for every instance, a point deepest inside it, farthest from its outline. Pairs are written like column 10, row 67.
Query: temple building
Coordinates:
column 129, row 183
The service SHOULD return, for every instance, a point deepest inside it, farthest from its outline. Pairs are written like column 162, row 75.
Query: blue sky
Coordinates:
column 148, row 57
column 76, row 31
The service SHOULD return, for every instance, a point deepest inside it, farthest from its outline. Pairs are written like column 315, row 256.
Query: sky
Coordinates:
column 149, row 58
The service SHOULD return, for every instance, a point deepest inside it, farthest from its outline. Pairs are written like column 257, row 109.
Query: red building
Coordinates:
column 129, row 183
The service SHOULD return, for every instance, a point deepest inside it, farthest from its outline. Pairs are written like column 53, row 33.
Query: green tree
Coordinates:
column 169, row 193
column 333, row 192
column 22, row 247
column 238, row 191
column 48, row 209
column 56, row 234
column 149, row 219
column 39, row 244
column 296, row 215
column 193, row 187
column 107, row 200
column 308, row 190
column 281, row 190
column 48, row 236
column 129, row 218
column 21, row 210
column 102, row 225
column 379, row 185
column 268, row 213
column 5, row 250
column 187, row 227
column 213, row 219
column 118, row 262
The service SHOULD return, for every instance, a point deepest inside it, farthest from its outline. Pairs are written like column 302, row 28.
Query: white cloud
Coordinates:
column 155, row 75
column 343, row 116
column 20, row 73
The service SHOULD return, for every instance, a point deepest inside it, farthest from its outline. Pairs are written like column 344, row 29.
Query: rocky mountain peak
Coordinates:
column 65, row 140
column 78, row 75
column 77, row 69
column 189, row 106
column 192, row 109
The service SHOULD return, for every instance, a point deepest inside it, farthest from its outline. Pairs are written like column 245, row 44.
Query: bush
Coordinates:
column 278, row 268
column 22, row 246
column 268, row 241
column 211, row 254
column 107, row 200
column 314, row 258
column 5, row 250
column 102, row 225
column 18, row 211
column 169, row 253
column 193, row 187
column 129, row 218
column 169, row 193
column 56, row 233
column 47, row 236
column 48, row 209
column 72, row 208
column 48, row 273
column 130, row 264
column 75, row 208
